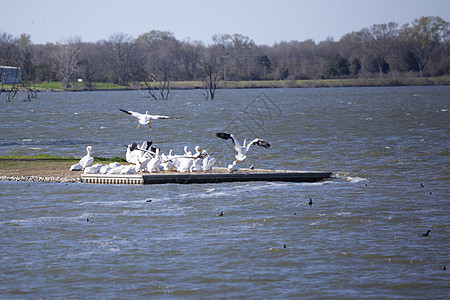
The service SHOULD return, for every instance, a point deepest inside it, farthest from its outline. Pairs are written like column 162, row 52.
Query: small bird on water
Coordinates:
column 310, row 202
column 425, row 234
column 220, row 214
column 444, row 267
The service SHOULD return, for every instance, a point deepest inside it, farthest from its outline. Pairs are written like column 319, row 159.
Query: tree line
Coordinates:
column 156, row 58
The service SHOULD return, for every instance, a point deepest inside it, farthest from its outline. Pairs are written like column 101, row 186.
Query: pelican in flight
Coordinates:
column 144, row 119
column 84, row 162
column 242, row 150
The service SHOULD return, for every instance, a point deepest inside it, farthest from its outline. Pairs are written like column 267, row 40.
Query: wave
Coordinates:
column 355, row 179
column 346, row 177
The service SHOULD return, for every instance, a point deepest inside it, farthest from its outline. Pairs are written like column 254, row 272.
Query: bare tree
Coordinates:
column 66, row 58
column 26, row 62
column 189, row 57
column 119, row 51
column 91, row 64
column 237, row 54
column 212, row 61
column 8, row 50
column 160, row 62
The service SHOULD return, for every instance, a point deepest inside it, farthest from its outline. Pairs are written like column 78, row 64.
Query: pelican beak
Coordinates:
column 138, row 125
column 149, row 126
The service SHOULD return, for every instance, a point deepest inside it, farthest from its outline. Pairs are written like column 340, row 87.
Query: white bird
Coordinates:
column 187, row 152
column 185, row 164
column 208, row 161
column 93, row 169
column 242, row 150
column 128, row 169
column 144, row 119
column 233, row 167
column 87, row 160
column 153, row 164
column 143, row 165
column 199, row 157
column 132, row 156
column 84, row 162
column 167, row 161
column 147, row 149
column 104, row 169
column 113, row 168
column 76, row 167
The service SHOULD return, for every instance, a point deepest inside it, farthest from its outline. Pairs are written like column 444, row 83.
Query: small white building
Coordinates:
column 9, row 75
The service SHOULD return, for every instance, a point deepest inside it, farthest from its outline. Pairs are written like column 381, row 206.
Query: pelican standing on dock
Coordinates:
column 242, row 150
column 144, row 119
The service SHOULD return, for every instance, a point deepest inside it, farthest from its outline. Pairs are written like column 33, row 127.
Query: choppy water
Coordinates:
column 359, row 238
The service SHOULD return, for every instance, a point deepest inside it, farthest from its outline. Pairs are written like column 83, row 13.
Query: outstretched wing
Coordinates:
column 133, row 146
column 155, row 117
column 225, row 136
column 261, row 143
column 146, row 145
column 133, row 113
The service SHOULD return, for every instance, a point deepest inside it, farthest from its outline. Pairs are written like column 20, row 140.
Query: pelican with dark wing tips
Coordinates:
column 144, row 119
column 242, row 150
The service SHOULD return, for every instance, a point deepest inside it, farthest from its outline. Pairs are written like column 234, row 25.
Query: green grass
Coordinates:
column 43, row 161
column 76, row 86
column 36, row 157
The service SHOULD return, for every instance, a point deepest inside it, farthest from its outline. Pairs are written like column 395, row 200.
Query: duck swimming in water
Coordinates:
column 425, row 234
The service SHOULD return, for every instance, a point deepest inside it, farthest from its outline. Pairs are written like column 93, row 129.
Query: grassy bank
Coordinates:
column 43, row 165
column 367, row 82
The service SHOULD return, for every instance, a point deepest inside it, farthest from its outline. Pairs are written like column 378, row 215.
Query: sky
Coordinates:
column 265, row 22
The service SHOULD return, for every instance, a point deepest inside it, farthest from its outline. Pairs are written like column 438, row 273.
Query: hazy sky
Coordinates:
column 266, row 22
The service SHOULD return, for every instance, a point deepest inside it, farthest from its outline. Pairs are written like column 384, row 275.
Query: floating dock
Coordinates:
column 217, row 175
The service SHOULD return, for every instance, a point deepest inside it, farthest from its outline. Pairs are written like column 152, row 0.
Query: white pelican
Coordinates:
column 167, row 161
column 233, row 167
column 144, row 119
column 153, row 164
column 113, row 168
column 133, row 154
column 145, row 152
column 104, row 169
column 143, row 165
column 202, row 160
column 208, row 161
column 242, row 150
column 128, row 169
column 84, row 162
column 93, row 169
column 183, row 163
column 187, row 152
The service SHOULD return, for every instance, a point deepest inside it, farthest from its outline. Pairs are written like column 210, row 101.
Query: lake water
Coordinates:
column 388, row 149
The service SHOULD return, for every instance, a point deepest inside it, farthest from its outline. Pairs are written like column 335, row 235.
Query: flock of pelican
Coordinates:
column 145, row 158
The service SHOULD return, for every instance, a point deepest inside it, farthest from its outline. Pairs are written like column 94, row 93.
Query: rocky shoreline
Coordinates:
column 49, row 179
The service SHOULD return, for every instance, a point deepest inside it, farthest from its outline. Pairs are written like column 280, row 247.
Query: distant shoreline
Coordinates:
column 317, row 83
